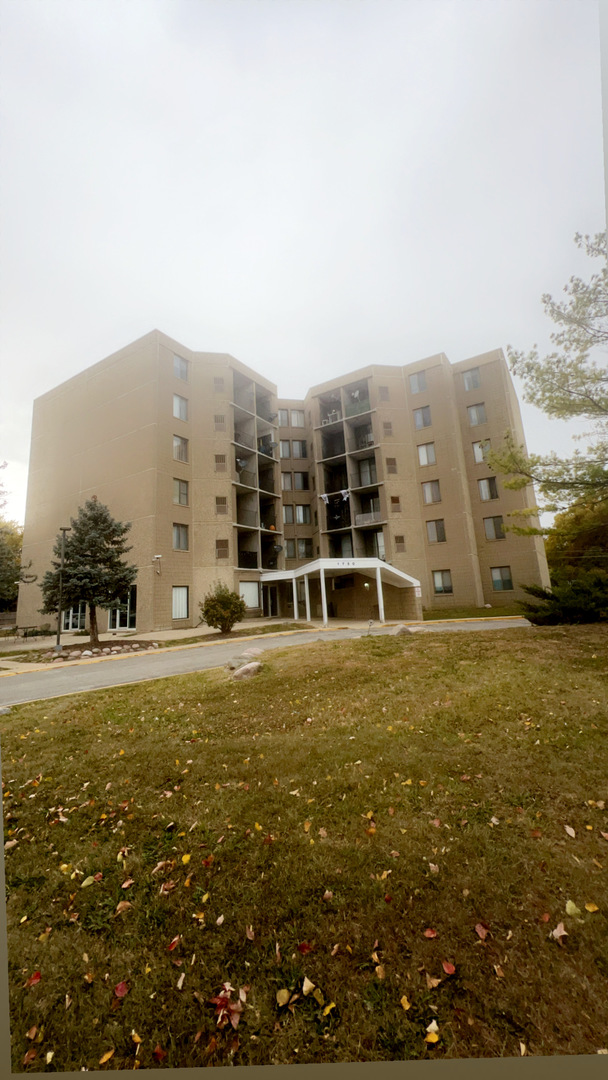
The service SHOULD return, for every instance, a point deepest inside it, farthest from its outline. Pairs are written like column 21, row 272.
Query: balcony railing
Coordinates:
column 247, row 517
column 339, row 520
column 266, row 483
column 244, row 401
column 248, row 560
column 243, row 439
column 246, row 477
column 356, row 407
column 368, row 519
column 331, row 417
column 364, row 441
column 267, row 448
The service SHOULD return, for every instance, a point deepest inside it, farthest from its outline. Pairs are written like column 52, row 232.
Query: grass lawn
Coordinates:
column 389, row 848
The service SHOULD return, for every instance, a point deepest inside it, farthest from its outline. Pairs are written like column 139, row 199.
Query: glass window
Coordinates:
column 180, row 448
column 250, row 593
column 283, row 417
column 426, row 454
column 290, row 549
column 367, row 471
column 180, row 368
column 300, row 481
column 180, row 492
column 286, row 481
column 180, row 602
column 422, row 417
column 180, row 407
column 477, row 414
column 501, row 578
column 305, row 549
column 288, row 514
column 431, row 492
column 435, row 531
column 487, row 489
column 285, row 448
column 480, row 450
column 297, row 418
column 124, row 617
column 418, row 382
column 442, row 581
column 299, row 448
column 303, row 515
column 471, row 378
column 180, row 537
column 494, row 527
column 74, row 617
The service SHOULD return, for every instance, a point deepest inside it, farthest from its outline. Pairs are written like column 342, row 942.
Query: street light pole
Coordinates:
column 63, row 529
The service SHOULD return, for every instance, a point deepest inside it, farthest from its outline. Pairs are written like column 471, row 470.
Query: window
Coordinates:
column 290, row 549
column 304, row 549
column 218, row 384
column 431, row 492
column 391, row 465
column 180, row 492
column 303, row 515
column 387, row 428
column 442, row 581
column 426, row 454
column 297, row 418
column 422, row 417
column 180, row 448
column 367, row 472
column 494, row 527
column 220, row 463
column 471, row 378
column 220, row 422
column 501, row 578
column 435, row 531
column 123, row 617
column 300, row 481
column 418, row 382
column 286, row 481
column 180, row 537
column 285, row 448
column 180, row 407
column 180, row 602
column 347, row 581
column 180, row 368
column 283, row 417
column 74, row 617
column 221, row 549
column 487, row 489
column 250, row 593
column 299, row 448
column 383, row 393
column 480, row 450
column 395, row 504
column 221, row 504
column 477, row 414
column 400, row 543
column 288, row 514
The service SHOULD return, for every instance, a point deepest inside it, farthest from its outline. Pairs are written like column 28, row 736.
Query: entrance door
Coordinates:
column 271, row 602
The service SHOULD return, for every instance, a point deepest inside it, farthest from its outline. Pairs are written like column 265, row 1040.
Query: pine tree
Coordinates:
column 93, row 569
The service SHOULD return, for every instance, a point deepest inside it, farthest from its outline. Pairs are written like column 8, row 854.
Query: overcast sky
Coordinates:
column 309, row 185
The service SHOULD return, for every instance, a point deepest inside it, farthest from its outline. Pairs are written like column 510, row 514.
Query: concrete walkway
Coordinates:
column 20, row 682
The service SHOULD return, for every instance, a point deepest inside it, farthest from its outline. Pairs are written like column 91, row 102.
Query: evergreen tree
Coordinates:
column 93, row 570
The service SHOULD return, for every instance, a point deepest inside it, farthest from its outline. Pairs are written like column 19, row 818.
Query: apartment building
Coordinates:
column 370, row 498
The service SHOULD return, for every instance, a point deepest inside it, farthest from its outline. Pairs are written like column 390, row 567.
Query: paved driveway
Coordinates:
column 97, row 674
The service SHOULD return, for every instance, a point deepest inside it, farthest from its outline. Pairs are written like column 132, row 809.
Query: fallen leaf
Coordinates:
column 33, row 980
column 180, row 981
column 380, row 972
column 88, row 977
column 499, row 972
column 136, row 1038
column 431, row 982
column 536, row 833
column 328, row 1008
column 522, row 1049
column 591, row 907
column 559, row 933
column 328, row 894
column 173, row 943
column 405, row 1004
column 430, row 933
column 121, row 989
column 31, row 1034
column 29, row 1057
column 482, row 930
column 304, row 948
column 283, row 997
column 306, row 826
column 106, row 1057
column 87, row 881
column 249, row 932
column 127, row 884
column 219, row 921
column 570, row 831
column 186, row 859
column 571, row 908
column 123, row 905
column 448, row 968
column 307, row 987
column 158, row 1053
column 432, row 1027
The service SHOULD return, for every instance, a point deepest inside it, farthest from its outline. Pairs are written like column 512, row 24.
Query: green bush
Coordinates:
column 222, row 608
column 583, row 600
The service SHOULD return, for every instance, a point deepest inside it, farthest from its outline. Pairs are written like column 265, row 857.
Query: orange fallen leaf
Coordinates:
column 106, row 1057
column 430, row 933
column 29, row 1057
column 447, row 967
column 123, row 905
column 591, row 907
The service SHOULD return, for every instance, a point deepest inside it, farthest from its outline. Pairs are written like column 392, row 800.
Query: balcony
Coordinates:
column 355, row 408
column 364, row 439
column 246, row 478
column 244, row 401
column 267, row 447
column 337, row 518
column 368, row 519
column 266, row 483
column 248, row 560
column 243, row 439
column 331, row 417
column 247, row 517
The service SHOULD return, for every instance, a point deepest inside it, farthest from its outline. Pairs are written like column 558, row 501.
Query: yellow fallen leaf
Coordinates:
column 369, row 815
column 88, row 881
column 432, row 1037
column 318, row 996
column 106, row 1057
column 328, row 1008
column 306, row 826
column 283, row 997
column 405, row 1004
column 136, row 1038
column 258, row 827
column 591, row 907
column 120, row 752
column 380, row 972
column 186, row 859
column 148, row 969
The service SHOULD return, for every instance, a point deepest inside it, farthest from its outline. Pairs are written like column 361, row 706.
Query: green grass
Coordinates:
column 472, row 613
column 424, row 784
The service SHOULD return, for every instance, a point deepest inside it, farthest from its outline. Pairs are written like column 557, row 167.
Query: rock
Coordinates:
column 106, row 651
column 401, row 629
column 57, row 659
column 135, row 646
column 155, row 645
column 248, row 670
column 233, row 664
column 87, row 652
column 115, row 649
column 75, row 655
column 253, row 651
column 4, row 710
column 96, row 651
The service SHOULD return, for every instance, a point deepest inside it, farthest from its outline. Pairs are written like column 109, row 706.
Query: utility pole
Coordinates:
column 63, row 529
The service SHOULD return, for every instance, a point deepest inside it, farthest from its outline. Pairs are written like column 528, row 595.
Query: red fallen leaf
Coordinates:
column 545, row 917
column 482, row 930
column 387, row 899
column 464, row 777
column 536, row 833
column 29, row 1057
column 31, row 1034
column 158, row 1053
column 209, row 860
column 33, row 980
column 98, row 876
column 436, row 822
column 304, row 948
column 211, row 1045
column 175, row 942
column 448, row 968
column 430, row 933
column 121, row 989
column 268, row 839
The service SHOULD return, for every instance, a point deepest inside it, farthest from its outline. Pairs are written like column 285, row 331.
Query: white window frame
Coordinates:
column 180, row 444
column 180, row 367
column 180, row 407
column 418, row 382
column 471, row 378
column 250, row 593
column 480, row 449
column 75, row 617
column 298, row 418
column 431, row 488
column 283, row 417
column 477, row 414
column 489, row 525
column 432, row 531
column 489, row 484
column 180, row 602
column 421, row 416
column 303, row 514
column 285, row 448
column 426, row 454
column 124, row 620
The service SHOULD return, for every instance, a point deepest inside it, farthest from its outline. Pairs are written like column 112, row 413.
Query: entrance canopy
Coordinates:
column 375, row 569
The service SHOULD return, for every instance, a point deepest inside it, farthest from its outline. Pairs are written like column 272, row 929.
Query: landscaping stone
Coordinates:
column 400, row 630
column 87, row 652
column 4, row 710
column 135, row 646
column 95, row 652
column 106, row 651
column 253, row 651
column 248, row 670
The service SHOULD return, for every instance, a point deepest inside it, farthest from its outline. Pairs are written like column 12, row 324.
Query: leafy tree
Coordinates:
column 11, row 569
column 578, row 541
column 569, row 382
column 222, row 608
column 93, row 569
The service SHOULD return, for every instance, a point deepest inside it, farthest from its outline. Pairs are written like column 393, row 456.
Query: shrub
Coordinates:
column 222, row 608
column 584, row 600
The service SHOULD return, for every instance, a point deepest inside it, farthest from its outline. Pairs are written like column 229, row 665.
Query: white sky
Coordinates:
column 311, row 185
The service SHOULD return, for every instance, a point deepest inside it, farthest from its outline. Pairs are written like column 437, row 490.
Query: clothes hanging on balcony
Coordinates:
column 345, row 494
column 325, row 499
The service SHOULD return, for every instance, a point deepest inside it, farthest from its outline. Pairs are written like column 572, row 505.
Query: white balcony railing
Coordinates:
column 368, row 519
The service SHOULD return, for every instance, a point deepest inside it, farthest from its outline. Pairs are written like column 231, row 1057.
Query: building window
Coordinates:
column 221, row 549
column 300, row 481
column 180, row 368
column 487, row 489
column 305, row 549
column 180, row 602
column 418, row 382
column 283, row 417
column 218, row 384
column 391, row 465
column 74, row 617
column 347, row 581
column 180, row 407
column 431, row 492
column 367, row 472
column 471, row 378
column 477, row 414
column 180, row 492
column 387, row 428
column 180, row 537
column 220, row 422
column 221, row 504
column 250, row 593
column 426, row 454
column 286, row 481
column 442, row 581
column 299, row 448
column 290, row 549
column 285, row 448
column 124, row 617
column 288, row 514
column 180, row 448
column 435, row 531
column 303, row 515
column 422, row 417
column 220, row 463
column 480, row 450
column 383, row 394
column 494, row 527
column 501, row 578
column 400, row 543
column 395, row 504
column 297, row 418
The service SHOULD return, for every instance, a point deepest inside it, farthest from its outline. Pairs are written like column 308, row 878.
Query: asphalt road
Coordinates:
column 98, row 674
